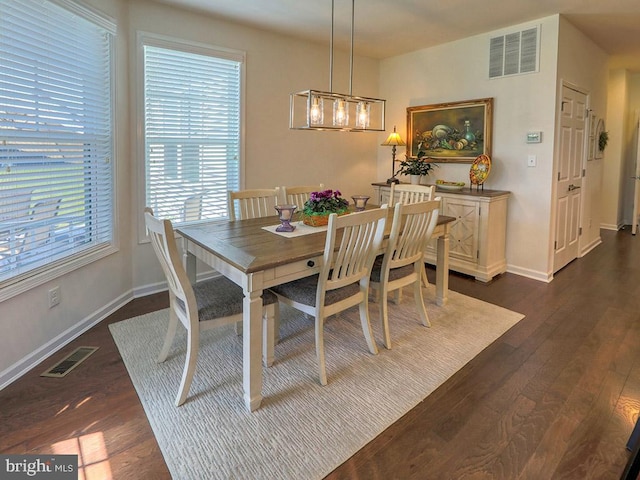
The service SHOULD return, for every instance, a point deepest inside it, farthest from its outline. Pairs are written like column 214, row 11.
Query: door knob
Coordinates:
column 573, row 187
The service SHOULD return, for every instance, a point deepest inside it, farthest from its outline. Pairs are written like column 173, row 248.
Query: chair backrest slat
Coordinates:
column 361, row 238
column 298, row 195
column 42, row 216
column 192, row 208
column 410, row 193
column 256, row 203
column 411, row 230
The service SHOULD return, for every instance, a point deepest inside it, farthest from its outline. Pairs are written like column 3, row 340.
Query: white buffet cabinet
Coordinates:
column 478, row 234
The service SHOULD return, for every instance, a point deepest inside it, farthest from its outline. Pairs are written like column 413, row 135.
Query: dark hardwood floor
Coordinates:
column 556, row 397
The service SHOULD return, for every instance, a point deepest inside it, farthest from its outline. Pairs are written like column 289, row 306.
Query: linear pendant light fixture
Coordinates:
column 318, row 110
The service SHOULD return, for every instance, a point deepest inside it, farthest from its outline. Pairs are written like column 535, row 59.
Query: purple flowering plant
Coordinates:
column 325, row 203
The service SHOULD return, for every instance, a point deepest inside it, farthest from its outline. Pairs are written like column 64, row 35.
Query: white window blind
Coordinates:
column 192, row 132
column 56, row 149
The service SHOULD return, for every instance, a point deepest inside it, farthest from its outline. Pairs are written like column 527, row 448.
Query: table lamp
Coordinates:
column 393, row 140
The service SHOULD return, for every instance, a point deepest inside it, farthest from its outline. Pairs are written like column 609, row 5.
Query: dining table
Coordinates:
column 255, row 257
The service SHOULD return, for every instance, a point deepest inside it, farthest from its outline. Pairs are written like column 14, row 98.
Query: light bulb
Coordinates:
column 363, row 116
column 340, row 113
column 316, row 113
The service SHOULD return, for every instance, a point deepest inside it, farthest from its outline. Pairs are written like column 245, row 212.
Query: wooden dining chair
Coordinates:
column 298, row 195
column 31, row 239
column 256, row 203
column 410, row 193
column 343, row 281
column 192, row 208
column 208, row 304
column 402, row 263
column 40, row 231
column 406, row 194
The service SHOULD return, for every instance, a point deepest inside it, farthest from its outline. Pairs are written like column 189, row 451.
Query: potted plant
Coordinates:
column 416, row 167
column 320, row 205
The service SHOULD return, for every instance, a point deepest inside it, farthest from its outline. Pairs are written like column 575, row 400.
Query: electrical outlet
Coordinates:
column 54, row 297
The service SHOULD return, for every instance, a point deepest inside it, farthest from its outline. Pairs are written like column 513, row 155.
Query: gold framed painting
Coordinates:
column 455, row 132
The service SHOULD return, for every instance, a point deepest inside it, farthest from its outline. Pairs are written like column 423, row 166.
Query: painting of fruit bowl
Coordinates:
column 450, row 132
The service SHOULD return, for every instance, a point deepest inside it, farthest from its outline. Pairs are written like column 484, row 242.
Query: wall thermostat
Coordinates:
column 534, row 137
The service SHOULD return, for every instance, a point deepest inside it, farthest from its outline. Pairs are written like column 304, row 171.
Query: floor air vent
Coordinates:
column 67, row 364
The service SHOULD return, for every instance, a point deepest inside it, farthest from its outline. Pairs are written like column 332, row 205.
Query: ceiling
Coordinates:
column 385, row 28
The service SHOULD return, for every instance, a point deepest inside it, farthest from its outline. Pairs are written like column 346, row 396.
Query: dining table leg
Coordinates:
column 189, row 262
column 251, row 330
column 442, row 268
column 252, row 348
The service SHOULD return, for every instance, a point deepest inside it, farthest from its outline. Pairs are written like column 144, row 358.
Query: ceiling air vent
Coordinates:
column 514, row 53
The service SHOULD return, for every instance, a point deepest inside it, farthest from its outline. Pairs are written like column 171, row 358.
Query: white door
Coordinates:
column 636, row 195
column 569, row 176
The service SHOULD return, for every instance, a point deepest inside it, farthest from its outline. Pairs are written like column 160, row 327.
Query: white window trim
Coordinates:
column 164, row 41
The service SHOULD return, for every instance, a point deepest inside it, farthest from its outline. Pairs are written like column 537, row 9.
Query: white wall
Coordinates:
column 458, row 71
column 583, row 64
column 274, row 155
column 616, row 120
column 30, row 329
column 275, row 67
column 631, row 141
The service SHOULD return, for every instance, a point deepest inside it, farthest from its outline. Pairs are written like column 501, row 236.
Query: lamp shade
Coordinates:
column 393, row 140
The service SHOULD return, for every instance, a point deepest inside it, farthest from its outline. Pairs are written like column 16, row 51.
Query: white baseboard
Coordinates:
column 149, row 289
column 587, row 248
column 36, row 357
column 610, row 226
column 533, row 274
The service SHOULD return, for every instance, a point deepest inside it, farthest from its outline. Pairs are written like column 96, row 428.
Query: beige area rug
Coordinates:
column 303, row 430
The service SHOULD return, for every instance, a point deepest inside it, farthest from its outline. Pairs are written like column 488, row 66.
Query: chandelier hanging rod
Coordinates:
column 317, row 110
column 353, row 10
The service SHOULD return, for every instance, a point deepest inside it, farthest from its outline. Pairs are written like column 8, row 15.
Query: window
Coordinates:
column 192, row 97
column 56, row 146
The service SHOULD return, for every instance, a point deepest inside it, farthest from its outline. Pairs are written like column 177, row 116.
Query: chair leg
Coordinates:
column 269, row 315
column 425, row 280
column 419, row 299
column 193, row 342
column 397, row 296
column 384, row 316
column 168, row 338
column 322, row 371
column 375, row 296
column 366, row 323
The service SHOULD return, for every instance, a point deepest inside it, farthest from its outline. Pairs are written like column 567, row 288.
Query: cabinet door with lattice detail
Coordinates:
column 464, row 231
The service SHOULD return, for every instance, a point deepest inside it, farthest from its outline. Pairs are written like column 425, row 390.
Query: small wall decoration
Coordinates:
column 592, row 135
column 601, row 138
column 456, row 132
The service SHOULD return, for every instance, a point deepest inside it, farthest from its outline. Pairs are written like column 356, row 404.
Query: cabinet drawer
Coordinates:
column 293, row 271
